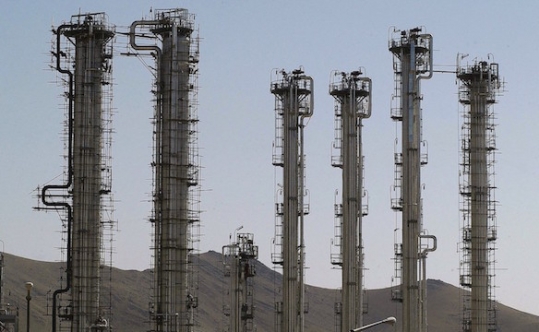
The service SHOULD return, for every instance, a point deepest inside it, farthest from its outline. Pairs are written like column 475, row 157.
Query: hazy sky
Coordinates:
column 242, row 41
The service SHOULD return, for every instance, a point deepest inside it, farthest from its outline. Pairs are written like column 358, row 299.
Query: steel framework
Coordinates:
column 175, row 214
column 478, row 86
column 84, row 54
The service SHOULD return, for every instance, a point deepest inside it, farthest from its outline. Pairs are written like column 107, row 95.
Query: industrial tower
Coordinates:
column 478, row 86
column 352, row 93
column 239, row 261
column 84, row 56
column 9, row 318
column 412, row 62
column 293, row 104
column 175, row 214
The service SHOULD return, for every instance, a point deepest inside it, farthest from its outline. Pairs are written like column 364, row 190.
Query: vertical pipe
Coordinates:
column 479, row 183
column 301, row 195
column 69, row 181
column 301, row 201
column 291, row 206
column 2, row 279
column 28, row 298
column 358, row 235
column 236, row 311
column 423, row 324
column 351, row 213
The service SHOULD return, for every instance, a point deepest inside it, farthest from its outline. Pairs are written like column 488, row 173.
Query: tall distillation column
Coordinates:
column 293, row 103
column 412, row 61
column 175, row 166
column 88, row 179
column 90, row 37
column 239, row 260
column 9, row 318
column 352, row 93
column 478, row 85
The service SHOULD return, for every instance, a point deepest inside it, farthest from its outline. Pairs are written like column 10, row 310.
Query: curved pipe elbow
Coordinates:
column 369, row 106
column 311, row 100
column 132, row 40
column 58, row 64
column 434, row 243
column 428, row 36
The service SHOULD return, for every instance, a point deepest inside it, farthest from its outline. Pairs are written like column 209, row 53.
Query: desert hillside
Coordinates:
column 131, row 294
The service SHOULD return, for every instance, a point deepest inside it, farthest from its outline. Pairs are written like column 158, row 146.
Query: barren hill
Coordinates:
column 131, row 295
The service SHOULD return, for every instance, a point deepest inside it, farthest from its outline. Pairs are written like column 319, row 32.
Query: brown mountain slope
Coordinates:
column 131, row 295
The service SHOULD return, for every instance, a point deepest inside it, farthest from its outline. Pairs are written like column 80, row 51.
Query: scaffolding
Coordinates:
column 176, row 212
column 352, row 93
column 83, row 53
column 478, row 86
column 412, row 62
column 293, row 104
column 239, row 260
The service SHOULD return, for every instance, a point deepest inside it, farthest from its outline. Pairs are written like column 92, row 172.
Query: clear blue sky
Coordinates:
column 241, row 42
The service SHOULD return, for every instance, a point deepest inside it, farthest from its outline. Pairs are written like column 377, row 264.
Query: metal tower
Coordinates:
column 175, row 197
column 9, row 318
column 84, row 55
column 352, row 93
column 293, row 103
column 412, row 62
column 239, row 260
column 478, row 85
